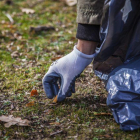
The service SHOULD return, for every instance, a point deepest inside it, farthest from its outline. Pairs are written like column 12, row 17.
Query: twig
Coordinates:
column 57, row 132
column 9, row 17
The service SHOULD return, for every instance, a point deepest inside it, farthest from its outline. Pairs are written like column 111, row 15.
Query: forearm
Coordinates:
column 86, row 47
column 89, row 13
column 88, row 38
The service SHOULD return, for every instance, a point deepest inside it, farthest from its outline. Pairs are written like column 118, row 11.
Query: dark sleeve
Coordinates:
column 88, row 32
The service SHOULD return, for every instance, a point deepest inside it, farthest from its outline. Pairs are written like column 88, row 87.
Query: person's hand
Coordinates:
column 67, row 69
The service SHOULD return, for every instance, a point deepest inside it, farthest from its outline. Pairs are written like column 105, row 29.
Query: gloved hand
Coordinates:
column 67, row 68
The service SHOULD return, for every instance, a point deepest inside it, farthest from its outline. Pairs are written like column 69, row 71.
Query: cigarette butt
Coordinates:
column 55, row 99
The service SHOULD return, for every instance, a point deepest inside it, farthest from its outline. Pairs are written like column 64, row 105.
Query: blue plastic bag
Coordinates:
column 120, row 45
column 123, row 88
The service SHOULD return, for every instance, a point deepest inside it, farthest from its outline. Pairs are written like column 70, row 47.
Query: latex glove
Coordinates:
column 67, row 68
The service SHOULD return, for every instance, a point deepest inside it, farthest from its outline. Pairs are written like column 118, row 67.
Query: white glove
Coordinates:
column 67, row 68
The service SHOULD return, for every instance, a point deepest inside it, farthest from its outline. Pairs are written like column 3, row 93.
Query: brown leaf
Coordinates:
column 30, row 104
column 103, row 104
column 10, row 120
column 102, row 114
column 34, row 93
column 55, row 123
column 41, row 28
column 55, row 58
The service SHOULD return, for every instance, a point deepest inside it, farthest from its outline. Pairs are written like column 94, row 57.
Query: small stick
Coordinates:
column 10, row 18
column 55, row 99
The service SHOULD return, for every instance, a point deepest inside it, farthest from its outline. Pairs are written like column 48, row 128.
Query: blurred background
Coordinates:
column 33, row 33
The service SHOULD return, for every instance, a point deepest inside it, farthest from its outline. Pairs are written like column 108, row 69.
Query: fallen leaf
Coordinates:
column 30, row 104
column 27, row 11
column 103, row 104
column 15, row 54
column 55, row 58
column 48, row 111
column 41, row 28
column 12, row 106
column 71, row 2
column 102, row 114
column 55, row 99
column 10, row 120
column 57, row 132
column 55, row 123
column 33, row 93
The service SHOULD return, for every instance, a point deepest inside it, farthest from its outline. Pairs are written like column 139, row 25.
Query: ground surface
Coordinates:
column 25, row 57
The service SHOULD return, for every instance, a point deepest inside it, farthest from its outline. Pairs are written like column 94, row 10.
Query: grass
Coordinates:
column 24, row 59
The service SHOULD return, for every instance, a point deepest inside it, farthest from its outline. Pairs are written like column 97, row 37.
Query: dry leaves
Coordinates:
column 32, row 103
column 55, row 123
column 15, row 54
column 10, row 120
column 57, row 132
column 48, row 111
column 102, row 114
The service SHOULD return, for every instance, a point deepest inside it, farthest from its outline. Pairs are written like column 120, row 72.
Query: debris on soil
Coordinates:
column 27, row 11
column 71, row 2
column 102, row 114
column 15, row 54
column 55, row 58
column 55, row 133
column 55, row 123
column 30, row 104
column 41, row 28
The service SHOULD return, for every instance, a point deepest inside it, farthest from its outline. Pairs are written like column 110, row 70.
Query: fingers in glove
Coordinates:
column 49, row 86
column 60, row 97
column 48, row 90
column 55, row 87
column 68, row 94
